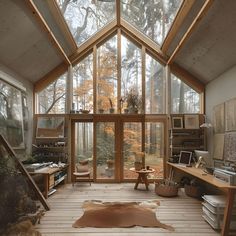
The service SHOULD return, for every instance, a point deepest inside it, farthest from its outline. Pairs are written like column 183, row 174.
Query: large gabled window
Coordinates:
column 86, row 17
column 155, row 86
column 107, row 75
column 83, row 85
column 116, row 87
column 51, row 100
column 183, row 98
column 131, row 70
column 153, row 17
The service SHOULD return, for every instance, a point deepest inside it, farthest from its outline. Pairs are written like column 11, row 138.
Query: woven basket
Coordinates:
column 166, row 190
column 193, row 191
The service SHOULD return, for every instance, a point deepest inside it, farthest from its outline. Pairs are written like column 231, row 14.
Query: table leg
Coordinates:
column 144, row 180
column 139, row 180
column 46, row 185
column 228, row 211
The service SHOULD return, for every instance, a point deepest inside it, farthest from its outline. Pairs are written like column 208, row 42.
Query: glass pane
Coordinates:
column 105, row 150
column 131, row 74
column 11, row 120
column 107, row 76
column 155, row 86
column 154, row 147
column 83, row 85
column 183, row 98
column 84, row 146
column 86, row 17
column 132, row 148
column 51, row 100
column 153, row 17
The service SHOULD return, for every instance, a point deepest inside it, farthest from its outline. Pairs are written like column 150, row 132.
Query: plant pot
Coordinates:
column 112, row 110
column 101, row 111
column 85, row 111
column 126, row 110
column 133, row 110
column 166, row 190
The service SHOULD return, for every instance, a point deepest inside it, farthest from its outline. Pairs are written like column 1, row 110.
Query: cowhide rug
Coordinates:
column 119, row 215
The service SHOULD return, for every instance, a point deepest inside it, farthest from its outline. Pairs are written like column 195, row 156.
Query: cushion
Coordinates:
column 82, row 168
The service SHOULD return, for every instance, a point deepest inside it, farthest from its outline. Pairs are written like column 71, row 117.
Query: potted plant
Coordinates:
column 134, row 101
column 112, row 110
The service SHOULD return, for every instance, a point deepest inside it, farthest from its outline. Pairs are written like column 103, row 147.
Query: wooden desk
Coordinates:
column 210, row 179
column 142, row 176
column 49, row 177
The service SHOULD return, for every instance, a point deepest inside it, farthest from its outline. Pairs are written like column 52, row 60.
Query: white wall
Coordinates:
column 218, row 91
column 11, row 76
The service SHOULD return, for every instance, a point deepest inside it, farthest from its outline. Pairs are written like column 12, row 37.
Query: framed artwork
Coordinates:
column 185, row 157
column 230, row 146
column 50, row 127
column 177, row 122
column 230, row 115
column 191, row 121
column 219, row 118
column 218, row 147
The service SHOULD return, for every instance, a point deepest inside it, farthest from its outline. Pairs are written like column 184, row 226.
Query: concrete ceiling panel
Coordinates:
column 208, row 52
column 24, row 46
column 41, row 59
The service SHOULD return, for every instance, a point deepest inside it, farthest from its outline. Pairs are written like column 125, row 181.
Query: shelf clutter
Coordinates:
column 50, row 149
column 213, row 211
column 185, row 133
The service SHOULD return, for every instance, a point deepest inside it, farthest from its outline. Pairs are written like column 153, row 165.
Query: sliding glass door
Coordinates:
column 111, row 145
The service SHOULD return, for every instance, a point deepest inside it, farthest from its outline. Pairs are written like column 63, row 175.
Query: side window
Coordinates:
column 11, row 115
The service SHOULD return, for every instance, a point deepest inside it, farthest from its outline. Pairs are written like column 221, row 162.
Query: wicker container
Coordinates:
column 166, row 190
column 193, row 191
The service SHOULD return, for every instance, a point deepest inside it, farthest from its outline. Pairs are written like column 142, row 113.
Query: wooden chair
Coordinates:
column 82, row 173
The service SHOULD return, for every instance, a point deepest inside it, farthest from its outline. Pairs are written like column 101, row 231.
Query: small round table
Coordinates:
column 142, row 176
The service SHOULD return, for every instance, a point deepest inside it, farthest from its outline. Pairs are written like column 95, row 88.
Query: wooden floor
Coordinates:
column 182, row 212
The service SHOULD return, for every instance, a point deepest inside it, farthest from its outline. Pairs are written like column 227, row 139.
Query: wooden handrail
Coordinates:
column 24, row 172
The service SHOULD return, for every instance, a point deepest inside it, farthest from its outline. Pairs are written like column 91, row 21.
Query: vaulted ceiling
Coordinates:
column 35, row 38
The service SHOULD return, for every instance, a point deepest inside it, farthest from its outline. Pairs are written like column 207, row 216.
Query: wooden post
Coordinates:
column 24, row 172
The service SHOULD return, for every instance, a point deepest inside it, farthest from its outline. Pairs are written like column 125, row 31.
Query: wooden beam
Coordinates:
column 56, row 12
column 95, row 79
column 118, row 12
column 102, row 35
column 181, row 15
column 187, row 78
column 191, row 28
column 50, row 77
column 24, row 172
column 143, row 59
column 119, row 108
column 46, row 28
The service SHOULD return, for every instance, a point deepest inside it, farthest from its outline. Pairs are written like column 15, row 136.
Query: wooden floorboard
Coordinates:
column 182, row 212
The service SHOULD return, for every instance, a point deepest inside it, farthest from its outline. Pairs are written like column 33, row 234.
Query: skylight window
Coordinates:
column 152, row 17
column 86, row 17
